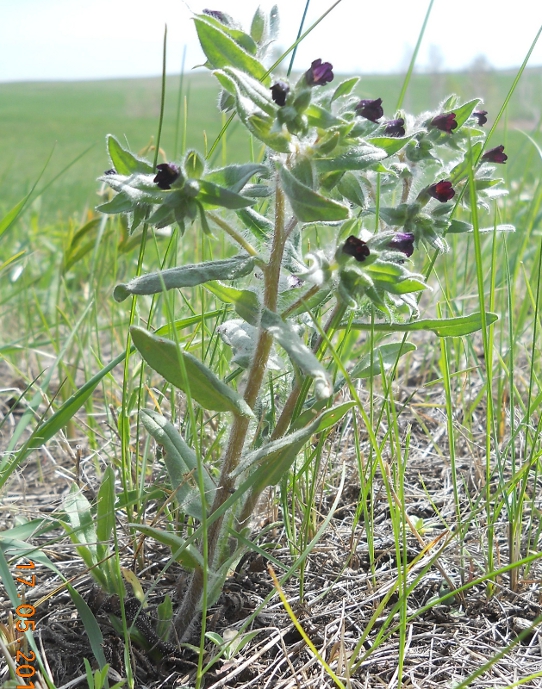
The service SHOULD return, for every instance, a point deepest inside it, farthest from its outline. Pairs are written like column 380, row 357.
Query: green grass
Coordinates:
column 73, row 116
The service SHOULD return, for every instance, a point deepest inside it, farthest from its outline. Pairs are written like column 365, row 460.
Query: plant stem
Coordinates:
column 185, row 617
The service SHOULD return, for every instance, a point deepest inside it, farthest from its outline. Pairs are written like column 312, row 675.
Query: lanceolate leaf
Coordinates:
column 309, row 205
column 186, row 554
column 390, row 144
column 443, row 327
column 386, row 354
column 205, row 388
column 285, row 334
column 223, row 51
column 213, row 195
column 234, row 177
column 124, row 162
column 181, row 464
column 355, row 159
column 276, row 457
column 186, row 276
column 246, row 302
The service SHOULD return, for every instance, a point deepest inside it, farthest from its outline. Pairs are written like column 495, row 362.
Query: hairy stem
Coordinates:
column 186, row 615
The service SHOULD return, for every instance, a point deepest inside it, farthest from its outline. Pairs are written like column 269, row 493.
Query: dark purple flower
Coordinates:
column 357, row 248
column 495, row 155
column 279, row 91
column 480, row 116
column 110, row 172
column 395, row 127
column 167, row 174
column 319, row 74
column 216, row 14
column 370, row 109
column 403, row 241
column 442, row 191
column 445, row 122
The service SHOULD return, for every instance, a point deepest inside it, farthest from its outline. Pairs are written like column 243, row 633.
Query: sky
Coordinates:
column 97, row 39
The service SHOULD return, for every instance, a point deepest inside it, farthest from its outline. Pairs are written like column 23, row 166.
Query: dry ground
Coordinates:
column 443, row 644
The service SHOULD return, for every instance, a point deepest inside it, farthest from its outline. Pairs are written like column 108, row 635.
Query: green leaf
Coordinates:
column 276, row 457
column 245, row 87
column 344, row 88
column 258, row 26
column 350, row 187
column 186, row 554
column 186, row 276
column 459, row 226
column 121, row 203
column 124, row 162
column 105, row 511
column 387, row 354
column 194, row 164
column 309, row 205
column 390, row 145
column 205, row 388
column 12, row 215
column 358, row 158
column 463, row 112
column 285, row 334
column 443, row 327
column 212, row 195
column 260, row 226
column 246, row 303
column 321, row 117
column 223, row 51
column 181, row 464
column 234, row 177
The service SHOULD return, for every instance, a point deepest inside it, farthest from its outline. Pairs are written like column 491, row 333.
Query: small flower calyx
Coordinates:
column 442, row 191
column 370, row 109
column 445, row 122
column 167, row 174
column 320, row 73
column 495, row 155
column 357, row 248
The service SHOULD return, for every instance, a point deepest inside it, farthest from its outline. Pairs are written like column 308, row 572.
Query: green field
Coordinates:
column 68, row 118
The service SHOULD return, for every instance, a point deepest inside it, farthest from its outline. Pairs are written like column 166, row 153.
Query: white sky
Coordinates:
column 95, row 39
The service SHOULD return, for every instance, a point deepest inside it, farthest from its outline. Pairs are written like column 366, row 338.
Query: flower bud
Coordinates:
column 370, row 109
column 357, row 248
column 495, row 155
column 404, row 242
column 320, row 73
column 395, row 127
column 167, row 174
column 480, row 116
column 442, row 191
column 445, row 122
column 279, row 91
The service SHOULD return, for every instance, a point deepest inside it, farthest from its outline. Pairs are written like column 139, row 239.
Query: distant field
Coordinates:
column 35, row 117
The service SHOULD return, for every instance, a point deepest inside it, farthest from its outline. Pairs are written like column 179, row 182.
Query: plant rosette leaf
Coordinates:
column 186, row 276
column 204, row 386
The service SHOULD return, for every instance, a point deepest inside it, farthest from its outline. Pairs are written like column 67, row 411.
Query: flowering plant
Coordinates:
column 329, row 160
